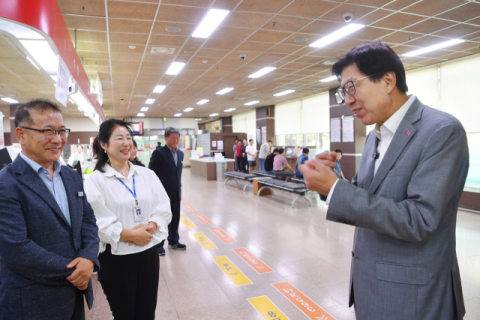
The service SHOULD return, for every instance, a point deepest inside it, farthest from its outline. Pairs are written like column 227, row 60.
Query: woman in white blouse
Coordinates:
column 133, row 212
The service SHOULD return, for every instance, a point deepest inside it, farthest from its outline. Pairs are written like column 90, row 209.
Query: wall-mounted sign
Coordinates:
column 61, row 90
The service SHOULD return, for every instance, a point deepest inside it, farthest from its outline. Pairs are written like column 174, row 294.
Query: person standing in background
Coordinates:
column 167, row 163
column 244, row 155
column 338, row 168
column 133, row 155
column 235, row 153
column 132, row 211
column 48, row 234
column 239, row 156
column 77, row 156
column 251, row 156
column 264, row 152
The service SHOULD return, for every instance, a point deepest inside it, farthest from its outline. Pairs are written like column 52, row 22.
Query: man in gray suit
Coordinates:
column 403, row 199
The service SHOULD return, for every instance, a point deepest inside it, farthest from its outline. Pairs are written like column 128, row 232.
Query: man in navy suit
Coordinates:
column 48, row 234
column 167, row 163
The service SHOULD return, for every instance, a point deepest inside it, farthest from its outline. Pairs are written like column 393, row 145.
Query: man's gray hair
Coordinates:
column 171, row 130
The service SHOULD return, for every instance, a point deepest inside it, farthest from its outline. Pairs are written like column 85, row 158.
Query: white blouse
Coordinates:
column 113, row 205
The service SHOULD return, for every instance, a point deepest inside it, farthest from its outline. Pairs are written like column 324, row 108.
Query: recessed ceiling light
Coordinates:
column 188, row 110
column 301, row 40
column 230, row 110
column 262, row 72
column 213, row 115
column 433, row 48
column 283, row 93
column 209, row 23
column 251, row 103
column 144, row 109
column 85, row 114
column 203, row 101
column 345, row 31
column 159, row 89
column 173, row 29
column 43, row 54
column 132, row 47
column 9, row 100
column 175, row 68
column 223, row 91
column 198, row 119
column 332, row 78
column 140, row 114
column 162, row 50
column 150, row 101
column 177, row 114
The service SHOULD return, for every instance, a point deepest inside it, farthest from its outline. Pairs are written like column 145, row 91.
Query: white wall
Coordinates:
column 423, row 83
column 246, row 122
column 6, row 123
column 80, row 124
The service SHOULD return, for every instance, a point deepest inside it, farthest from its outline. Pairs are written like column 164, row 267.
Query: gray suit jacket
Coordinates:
column 404, row 263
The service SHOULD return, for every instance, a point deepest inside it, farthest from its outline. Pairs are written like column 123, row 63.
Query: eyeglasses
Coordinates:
column 49, row 133
column 349, row 87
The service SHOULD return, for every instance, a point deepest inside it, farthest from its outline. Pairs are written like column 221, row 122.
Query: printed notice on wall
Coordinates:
column 264, row 134
column 214, row 143
column 220, row 144
column 61, row 90
column 335, row 130
column 348, row 133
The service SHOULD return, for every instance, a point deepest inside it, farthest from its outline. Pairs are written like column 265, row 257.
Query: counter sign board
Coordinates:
column 61, row 90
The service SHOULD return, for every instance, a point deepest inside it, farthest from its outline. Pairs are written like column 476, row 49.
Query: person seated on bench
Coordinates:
column 269, row 161
column 301, row 160
column 280, row 164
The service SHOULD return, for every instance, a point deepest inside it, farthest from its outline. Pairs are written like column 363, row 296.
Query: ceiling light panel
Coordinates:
column 433, row 48
column 203, row 101
column 177, row 114
column 213, row 115
column 339, row 34
column 230, row 110
column 144, row 109
column 188, row 110
column 283, row 93
column 223, row 91
column 159, row 89
column 251, row 103
column 9, row 100
column 262, row 72
column 43, row 54
column 209, row 23
column 140, row 114
column 175, row 68
column 150, row 101
column 332, row 78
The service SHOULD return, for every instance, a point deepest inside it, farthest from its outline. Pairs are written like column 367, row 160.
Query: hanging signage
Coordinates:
column 61, row 90
column 99, row 90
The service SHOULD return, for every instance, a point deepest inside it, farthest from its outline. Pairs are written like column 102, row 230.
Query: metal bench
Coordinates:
column 297, row 188
column 298, row 180
column 240, row 176
column 263, row 173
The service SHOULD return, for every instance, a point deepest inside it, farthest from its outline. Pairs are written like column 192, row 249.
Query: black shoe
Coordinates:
column 177, row 246
column 161, row 251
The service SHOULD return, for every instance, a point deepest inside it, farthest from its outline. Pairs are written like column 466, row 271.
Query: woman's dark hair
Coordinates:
column 106, row 129
column 280, row 150
column 374, row 59
column 135, row 161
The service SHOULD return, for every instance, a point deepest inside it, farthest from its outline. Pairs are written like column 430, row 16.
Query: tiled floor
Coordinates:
column 301, row 247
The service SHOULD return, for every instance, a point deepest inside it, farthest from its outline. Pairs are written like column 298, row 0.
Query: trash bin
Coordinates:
column 221, row 169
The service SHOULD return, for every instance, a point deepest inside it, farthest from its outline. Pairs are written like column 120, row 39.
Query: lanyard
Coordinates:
column 134, row 193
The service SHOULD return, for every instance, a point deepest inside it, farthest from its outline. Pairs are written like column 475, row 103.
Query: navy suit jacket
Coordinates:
column 163, row 164
column 37, row 244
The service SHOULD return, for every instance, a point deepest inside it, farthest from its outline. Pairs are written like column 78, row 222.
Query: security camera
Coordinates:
column 243, row 56
column 347, row 16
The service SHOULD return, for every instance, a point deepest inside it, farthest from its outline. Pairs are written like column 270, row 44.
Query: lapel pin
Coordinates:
column 408, row 133
column 80, row 194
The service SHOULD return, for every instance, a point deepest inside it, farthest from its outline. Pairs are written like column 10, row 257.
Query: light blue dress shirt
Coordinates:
column 174, row 154
column 56, row 187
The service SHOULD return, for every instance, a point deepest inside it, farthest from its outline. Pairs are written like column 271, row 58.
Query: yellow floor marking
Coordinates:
column 188, row 223
column 266, row 308
column 204, row 241
column 231, row 270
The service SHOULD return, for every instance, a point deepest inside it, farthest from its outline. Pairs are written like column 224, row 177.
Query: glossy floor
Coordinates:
column 301, row 247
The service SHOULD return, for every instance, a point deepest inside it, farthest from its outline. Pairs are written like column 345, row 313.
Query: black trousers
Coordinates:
column 173, row 235
column 79, row 310
column 130, row 283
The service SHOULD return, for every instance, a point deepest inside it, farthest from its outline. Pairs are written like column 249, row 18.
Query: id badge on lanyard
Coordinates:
column 137, row 211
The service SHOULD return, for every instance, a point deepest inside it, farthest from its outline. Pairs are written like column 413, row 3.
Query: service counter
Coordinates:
column 205, row 168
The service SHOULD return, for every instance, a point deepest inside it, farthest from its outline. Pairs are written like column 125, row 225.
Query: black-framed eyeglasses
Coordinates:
column 49, row 133
column 349, row 87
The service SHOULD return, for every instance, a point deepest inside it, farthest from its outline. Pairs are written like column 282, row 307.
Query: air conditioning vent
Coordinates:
column 162, row 50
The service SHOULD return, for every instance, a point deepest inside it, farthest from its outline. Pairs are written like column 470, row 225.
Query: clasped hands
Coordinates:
column 142, row 234
column 82, row 273
column 318, row 173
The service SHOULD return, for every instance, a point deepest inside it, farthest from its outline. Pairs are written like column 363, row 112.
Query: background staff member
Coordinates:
column 403, row 199
column 264, row 152
column 167, row 163
column 48, row 235
column 132, row 211
column 251, row 155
